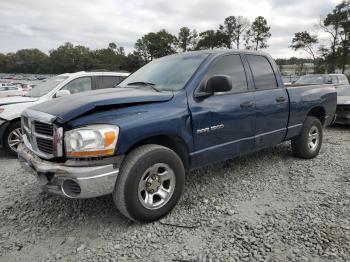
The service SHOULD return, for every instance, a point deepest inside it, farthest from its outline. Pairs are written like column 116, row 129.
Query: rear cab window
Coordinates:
column 263, row 74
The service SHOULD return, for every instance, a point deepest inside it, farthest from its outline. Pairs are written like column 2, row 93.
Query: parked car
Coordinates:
column 343, row 106
column 8, row 89
column 11, row 108
column 176, row 113
column 338, row 80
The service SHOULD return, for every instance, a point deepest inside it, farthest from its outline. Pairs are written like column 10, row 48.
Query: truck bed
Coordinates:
column 303, row 99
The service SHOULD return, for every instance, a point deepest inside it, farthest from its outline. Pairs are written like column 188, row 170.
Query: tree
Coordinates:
column 155, row 45
column 186, row 39
column 337, row 25
column 70, row 58
column 258, row 34
column 211, row 39
column 234, row 28
column 305, row 41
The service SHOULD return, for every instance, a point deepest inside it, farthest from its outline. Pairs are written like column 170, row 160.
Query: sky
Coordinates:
column 46, row 24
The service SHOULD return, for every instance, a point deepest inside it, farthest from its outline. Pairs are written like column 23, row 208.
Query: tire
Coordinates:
column 150, row 183
column 308, row 144
column 12, row 134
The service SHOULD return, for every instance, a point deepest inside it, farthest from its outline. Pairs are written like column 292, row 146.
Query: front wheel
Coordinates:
column 150, row 183
column 308, row 143
column 12, row 138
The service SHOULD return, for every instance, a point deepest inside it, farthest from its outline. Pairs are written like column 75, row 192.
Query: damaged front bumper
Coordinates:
column 68, row 179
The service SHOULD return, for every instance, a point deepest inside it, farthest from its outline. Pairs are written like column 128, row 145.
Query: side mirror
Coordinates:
column 62, row 93
column 215, row 84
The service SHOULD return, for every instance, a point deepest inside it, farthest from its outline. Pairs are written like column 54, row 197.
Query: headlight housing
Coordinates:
column 91, row 141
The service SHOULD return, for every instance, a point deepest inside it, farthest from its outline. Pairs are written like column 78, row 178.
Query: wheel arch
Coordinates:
column 318, row 112
column 173, row 142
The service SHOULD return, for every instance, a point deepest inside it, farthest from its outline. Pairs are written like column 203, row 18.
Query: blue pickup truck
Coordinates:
column 175, row 114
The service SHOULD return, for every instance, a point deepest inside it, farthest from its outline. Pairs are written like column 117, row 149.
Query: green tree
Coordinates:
column 337, row 25
column 70, row 58
column 306, row 42
column 31, row 61
column 155, row 45
column 3, row 63
column 186, row 39
column 234, row 28
column 211, row 39
column 258, row 34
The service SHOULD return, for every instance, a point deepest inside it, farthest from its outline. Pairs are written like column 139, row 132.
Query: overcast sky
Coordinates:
column 46, row 24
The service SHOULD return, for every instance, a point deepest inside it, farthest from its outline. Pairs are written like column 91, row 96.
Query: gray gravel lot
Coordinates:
column 264, row 206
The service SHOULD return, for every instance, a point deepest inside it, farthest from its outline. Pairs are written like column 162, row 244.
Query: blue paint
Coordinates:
column 233, row 130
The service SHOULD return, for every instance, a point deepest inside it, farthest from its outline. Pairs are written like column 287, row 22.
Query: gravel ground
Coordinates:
column 264, row 206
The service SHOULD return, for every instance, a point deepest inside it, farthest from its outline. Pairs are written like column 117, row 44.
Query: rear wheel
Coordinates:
column 309, row 142
column 12, row 138
column 150, row 183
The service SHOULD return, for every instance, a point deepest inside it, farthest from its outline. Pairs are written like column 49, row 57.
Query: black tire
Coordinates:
column 127, row 194
column 9, row 132
column 304, row 146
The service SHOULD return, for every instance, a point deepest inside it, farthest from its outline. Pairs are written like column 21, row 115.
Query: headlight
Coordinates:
column 91, row 141
column 2, row 109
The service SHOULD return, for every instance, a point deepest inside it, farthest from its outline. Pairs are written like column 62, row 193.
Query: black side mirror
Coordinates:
column 215, row 84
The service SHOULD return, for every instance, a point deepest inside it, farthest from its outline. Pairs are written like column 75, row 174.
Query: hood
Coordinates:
column 70, row 107
column 16, row 100
column 343, row 100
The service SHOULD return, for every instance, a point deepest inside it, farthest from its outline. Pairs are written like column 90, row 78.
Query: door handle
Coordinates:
column 280, row 99
column 247, row 104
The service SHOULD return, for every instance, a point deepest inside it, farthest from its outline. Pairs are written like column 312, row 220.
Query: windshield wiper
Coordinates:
column 151, row 85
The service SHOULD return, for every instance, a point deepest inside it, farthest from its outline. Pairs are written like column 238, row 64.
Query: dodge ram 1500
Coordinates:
column 175, row 114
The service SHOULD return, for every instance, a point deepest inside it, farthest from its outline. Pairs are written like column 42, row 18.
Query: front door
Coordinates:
column 224, row 123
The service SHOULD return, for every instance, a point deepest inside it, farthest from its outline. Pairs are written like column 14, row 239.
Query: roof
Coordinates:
column 222, row 51
column 97, row 73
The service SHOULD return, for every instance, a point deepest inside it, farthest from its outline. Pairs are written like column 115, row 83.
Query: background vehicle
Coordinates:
column 338, row 80
column 11, row 108
column 8, row 89
column 343, row 106
column 176, row 113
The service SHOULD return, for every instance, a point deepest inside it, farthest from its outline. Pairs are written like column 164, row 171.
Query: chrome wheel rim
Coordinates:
column 156, row 186
column 313, row 138
column 14, row 139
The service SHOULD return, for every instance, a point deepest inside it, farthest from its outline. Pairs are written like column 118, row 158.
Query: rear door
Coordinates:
column 224, row 123
column 271, row 103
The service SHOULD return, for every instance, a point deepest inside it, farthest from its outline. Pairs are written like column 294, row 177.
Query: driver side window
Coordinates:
column 231, row 65
column 79, row 85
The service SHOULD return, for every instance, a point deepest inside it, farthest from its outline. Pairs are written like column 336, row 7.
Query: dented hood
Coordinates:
column 70, row 107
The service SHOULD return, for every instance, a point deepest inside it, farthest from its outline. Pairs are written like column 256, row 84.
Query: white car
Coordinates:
column 11, row 108
column 8, row 89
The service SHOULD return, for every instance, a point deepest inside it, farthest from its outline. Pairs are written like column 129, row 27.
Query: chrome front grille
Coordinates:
column 43, row 128
column 41, row 135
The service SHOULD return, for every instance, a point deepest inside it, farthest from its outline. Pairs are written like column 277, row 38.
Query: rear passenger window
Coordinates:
column 110, row 81
column 264, row 77
column 335, row 80
column 231, row 65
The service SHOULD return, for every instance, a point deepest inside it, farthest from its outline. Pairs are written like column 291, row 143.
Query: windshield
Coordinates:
column 170, row 73
column 46, row 86
column 310, row 80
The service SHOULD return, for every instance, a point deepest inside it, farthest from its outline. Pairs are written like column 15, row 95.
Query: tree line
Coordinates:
column 235, row 32
column 336, row 54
